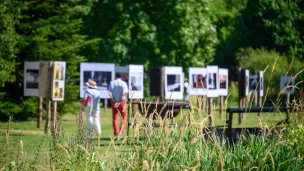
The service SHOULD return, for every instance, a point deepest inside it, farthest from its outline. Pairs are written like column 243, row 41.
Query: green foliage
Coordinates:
column 296, row 140
column 11, row 107
column 274, row 65
column 9, row 17
column 153, row 33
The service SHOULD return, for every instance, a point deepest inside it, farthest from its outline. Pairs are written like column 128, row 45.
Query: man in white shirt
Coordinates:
column 118, row 90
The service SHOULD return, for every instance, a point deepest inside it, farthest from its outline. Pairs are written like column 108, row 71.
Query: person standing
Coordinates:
column 118, row 90
column 93, row 108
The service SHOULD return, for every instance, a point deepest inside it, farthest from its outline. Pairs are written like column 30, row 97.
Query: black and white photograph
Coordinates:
column 174, row 82
column 101, row 73
column 253, row 83
column 136, row 81
column 197, row 81
column 261, row 83
column 223, row 82
column 212, row 81
column 287, row 84
column 31, row 79
column 102, row 79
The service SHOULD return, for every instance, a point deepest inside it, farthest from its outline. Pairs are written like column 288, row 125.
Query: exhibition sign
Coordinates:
column 223, row 82
column 212, row 81
column 101, row 73
column 198, row 81
column 31, row 78
column 174, row 83
column 287, row 84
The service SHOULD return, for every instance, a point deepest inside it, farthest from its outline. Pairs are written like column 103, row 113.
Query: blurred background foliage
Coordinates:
column 192, row 33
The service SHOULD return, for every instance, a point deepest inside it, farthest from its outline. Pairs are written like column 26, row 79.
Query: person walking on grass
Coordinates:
column 118, row 90
column 92, row 107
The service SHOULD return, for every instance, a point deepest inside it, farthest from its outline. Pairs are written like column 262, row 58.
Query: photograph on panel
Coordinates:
column 223, row 81
column 173, row 82
column 199, row 80
column 136, row 81
column 253, row 83
column 212, row 83
column 102, row 79
column 31, row 78
column 58, row 89
column 59, row 71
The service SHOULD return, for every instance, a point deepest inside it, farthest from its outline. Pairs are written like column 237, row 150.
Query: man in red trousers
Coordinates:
column 118, row 90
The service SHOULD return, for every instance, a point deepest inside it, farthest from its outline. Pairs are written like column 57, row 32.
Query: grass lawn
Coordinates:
column 33, row 137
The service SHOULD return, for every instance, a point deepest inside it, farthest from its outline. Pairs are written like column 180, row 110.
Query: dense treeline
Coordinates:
column 228, row 33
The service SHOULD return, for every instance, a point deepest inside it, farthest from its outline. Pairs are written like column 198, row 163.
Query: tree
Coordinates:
column 50, row 30
column 153, row 33
column 10, row 13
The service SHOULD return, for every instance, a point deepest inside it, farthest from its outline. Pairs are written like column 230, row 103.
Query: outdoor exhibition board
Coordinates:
column 197, row 80
column 287, row 84
column 174, row 82
column 261, row 83
column 44, row 73
column 223, row 82
column 31, row 80
column 212, row 81
column 136, row 81
column 101, row 73
column 133, row 75
column 58, row 80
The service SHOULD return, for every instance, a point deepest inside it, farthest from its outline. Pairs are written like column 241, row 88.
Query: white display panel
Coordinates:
column 223, row 82
column 198, row 81
column 31, row 78
column 246, row 82
column 174, row 83
column 101, row 73
column 261, row 83
column 212, row 81
column 287, row 84
column 136, row 81
column 58, row 80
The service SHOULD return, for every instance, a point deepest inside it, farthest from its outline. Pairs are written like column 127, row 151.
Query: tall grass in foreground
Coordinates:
column 164, row 148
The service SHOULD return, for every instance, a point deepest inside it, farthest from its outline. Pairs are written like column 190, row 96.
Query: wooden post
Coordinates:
column 229, row 130
column 221, row 104
column 255, row 98
column 48, row 115
column 204, row 101
column 128, row 119
column 54, row 119
column 162, row 84
column 105, row 104
column 210, row 115
column 240, row 87
column 40, row 108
